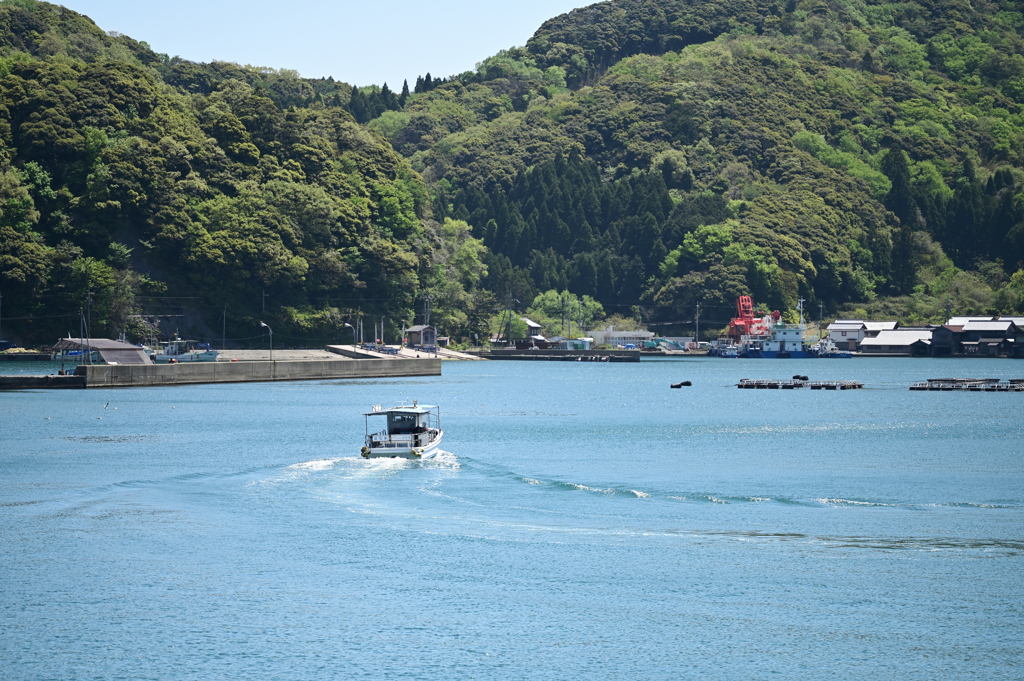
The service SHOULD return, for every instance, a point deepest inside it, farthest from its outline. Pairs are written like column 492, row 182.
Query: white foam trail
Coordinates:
column 850, row 502
column 640, row 495
column 314, row 465
column 531, row 481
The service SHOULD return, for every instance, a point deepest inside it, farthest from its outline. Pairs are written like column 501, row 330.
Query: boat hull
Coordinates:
column 427, row 451
column 210, row 356
column 778, row 354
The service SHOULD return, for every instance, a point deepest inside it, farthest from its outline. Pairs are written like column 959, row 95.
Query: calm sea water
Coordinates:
column 585, row 522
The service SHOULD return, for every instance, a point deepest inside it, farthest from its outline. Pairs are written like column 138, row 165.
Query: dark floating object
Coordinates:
column 680, row 385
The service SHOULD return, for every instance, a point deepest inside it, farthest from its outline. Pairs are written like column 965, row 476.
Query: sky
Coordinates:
column 361, row 43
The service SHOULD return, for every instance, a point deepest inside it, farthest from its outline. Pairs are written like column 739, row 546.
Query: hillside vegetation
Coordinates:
column 643, row 156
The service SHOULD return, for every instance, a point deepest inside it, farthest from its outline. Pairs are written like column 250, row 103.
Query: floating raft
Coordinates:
column 769, row 384
column 975, row 385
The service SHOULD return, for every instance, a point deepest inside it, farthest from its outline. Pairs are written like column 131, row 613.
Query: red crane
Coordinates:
column 745, row 323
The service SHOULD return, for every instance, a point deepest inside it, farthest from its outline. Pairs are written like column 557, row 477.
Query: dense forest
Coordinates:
column 636, row 157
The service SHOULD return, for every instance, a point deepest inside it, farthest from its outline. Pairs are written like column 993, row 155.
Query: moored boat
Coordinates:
column 178, row 350
column 410, row 432
column 827, row 349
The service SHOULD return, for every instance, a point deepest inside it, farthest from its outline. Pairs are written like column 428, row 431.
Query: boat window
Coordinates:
column 401, row 423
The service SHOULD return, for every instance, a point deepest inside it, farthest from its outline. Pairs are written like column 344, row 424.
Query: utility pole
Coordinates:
column 821, row 318
column 88, row 325
column 949, row 309
column 1, row 317
column 568, row 316
column 224, row 331
column 561, row 303
column 264, row 309
column 696, row 336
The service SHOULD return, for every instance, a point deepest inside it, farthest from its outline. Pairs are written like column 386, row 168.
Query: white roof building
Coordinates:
column 848, row 333
column 896, row 341
column 610, row 336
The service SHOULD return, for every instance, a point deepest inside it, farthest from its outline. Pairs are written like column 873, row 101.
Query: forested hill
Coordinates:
column 651, row 155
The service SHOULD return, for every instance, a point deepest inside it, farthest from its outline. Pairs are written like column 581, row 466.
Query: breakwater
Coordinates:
column 126, row 376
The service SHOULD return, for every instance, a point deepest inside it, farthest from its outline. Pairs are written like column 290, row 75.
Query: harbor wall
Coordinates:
column 129, row 375
column 47, row 382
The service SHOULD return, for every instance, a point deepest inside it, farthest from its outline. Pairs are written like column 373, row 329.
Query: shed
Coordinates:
column 421, row 334
column 532, row 327
column 112, row 352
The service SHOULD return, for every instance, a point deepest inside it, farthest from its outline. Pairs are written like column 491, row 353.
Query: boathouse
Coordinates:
column 992, row 338
column 908, row 341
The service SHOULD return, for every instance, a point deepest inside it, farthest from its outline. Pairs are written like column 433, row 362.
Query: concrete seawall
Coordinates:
column 108, row 376
column 47, row 382
column 556, row 355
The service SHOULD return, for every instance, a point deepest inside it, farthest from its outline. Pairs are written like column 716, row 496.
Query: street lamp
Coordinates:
column 271, row 340
column 353, row 333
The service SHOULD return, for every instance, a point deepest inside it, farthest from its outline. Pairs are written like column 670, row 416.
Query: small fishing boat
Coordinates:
column 827, row 349
column 410, row 432
column 178, row 350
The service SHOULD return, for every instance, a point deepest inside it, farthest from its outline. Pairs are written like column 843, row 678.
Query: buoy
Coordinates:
column 687, row 383
column 676, row 385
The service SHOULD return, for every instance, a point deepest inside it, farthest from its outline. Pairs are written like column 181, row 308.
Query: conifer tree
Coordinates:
column 404, row 97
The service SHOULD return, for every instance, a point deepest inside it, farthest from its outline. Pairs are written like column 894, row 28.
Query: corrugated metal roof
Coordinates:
column 530, row 323
column 898, row 337
column 846, row 326
column 987, row 326
column 881, row 326
column 960, row 321
column 112, row 352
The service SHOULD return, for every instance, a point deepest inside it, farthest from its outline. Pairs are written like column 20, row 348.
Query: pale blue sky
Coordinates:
column 357, row 42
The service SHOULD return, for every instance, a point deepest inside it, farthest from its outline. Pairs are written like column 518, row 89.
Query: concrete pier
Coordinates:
column 128, row 375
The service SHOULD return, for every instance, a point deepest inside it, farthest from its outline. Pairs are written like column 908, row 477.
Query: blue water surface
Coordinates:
column 585, row 521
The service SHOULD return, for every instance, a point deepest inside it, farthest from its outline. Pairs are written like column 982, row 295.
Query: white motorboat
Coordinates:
column 410, row 432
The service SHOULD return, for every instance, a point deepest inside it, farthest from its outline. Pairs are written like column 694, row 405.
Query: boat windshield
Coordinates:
column 401, row 423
